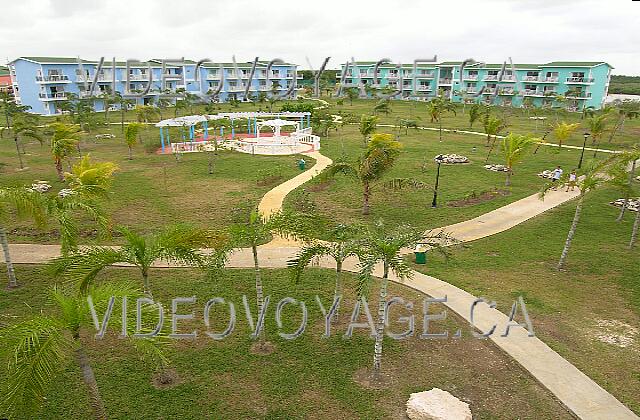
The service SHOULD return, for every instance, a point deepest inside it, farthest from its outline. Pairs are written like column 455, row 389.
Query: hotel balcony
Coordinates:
column 445, row 81
column 529, row 92
column 579, row 95
column 81, row 78
column 490, row 78
column 423, row 88
column 53, row 78
column 579, row 80
column 213, row 76
column 168, row 76
column 506, row 92
column 534, row 79
column 471, row 90
column 489, row 91
column 236, row 88
column 420, row 75
column 139, row 77
column 58, row 96
column 471, row 77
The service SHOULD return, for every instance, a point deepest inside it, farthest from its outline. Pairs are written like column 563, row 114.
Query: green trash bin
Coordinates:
column 301, row 164
column 421, row 254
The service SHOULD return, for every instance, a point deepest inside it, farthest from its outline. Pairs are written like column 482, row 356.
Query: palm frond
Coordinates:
column 83, row 267
column 304, row 258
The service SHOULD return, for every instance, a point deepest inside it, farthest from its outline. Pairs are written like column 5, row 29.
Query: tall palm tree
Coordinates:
column 492, row 127
column 63, row 143
column 379, row 157
column 368, row 125
column 437, row 108
column 258, row 229
column 591, row 180
column 27, row 204
column 381, row 244
column 597, row 125
column 177, row 244
column 563, row 130
column 514, row 148
column 131, row 134
column 622, row 176
column 123, row 104
column 343, row 242
column 45, row 344
column 626, row 109
column 25, row 125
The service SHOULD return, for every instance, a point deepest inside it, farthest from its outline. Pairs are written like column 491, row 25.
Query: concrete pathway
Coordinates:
column 581, row 395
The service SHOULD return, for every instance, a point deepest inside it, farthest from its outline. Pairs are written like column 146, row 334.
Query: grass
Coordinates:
column 310, row 377
column 600, row 283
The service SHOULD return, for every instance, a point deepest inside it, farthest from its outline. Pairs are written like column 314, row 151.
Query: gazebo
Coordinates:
column 276, row 126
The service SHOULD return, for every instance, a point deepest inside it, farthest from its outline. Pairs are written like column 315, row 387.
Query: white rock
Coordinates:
column 496, row 168
column 437, row 404
column 452, row 158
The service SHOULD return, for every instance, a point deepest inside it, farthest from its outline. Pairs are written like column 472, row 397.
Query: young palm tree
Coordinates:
column 131, row 133
column 124, row 105
column 591, row 180
column 351, row 93
column 380, row 156
column 145, row 113
column 27, row 204
column 562, row 131
column 476, row 111
column 45, row 344
column 437, row 108
column 597, row 125
column 514, row 147
column 382, row 106
column 25, row 125
column 178, row 244
column 384, row 245
column 91, row 178
column 258, row 229
column 492, row 127
column 343, row 243
column 63, row 143
column 368, row 125
column 622, row 175
column 626, row 109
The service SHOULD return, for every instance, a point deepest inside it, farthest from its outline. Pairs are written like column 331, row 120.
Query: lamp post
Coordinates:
column 584, row 144
column 434, row 203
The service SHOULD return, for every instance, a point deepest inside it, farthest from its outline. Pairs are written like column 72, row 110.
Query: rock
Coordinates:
column 546, row 174
column 437, row 404
column 40, row 186
column 496, row 168
column 632, row 205
column 450, row 159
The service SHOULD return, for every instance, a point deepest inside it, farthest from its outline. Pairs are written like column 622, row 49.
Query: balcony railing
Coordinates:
column 471, row 90
column 489, row 91
column 529, row 92
column 139, row 77
column 213, row 76
column 531, row 78
column 540, row 79
column 506, row 92
column 491, row 77
column 579, row 80
column 56, row 95
column 471, row 77
column 579, row 95
column 52, row 78
column 89, row 78
column 444, row 81
column 171, row 75
column 423, row 88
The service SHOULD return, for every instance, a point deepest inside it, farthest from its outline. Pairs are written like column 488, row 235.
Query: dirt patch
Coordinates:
column 366, row 378
column 474, row 198
column 269, row 181
column 166, row 379
column 320, row 186
column 262, row 348
column 615, row 332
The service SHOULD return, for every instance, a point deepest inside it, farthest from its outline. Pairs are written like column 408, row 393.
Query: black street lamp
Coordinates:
column 586, row 136
column 434, row 203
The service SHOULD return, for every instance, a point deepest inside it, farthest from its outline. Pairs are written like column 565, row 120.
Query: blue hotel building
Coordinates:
column 574, row 85
column 42, row 82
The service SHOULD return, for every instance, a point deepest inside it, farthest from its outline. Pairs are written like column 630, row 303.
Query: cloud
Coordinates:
column 491, row 30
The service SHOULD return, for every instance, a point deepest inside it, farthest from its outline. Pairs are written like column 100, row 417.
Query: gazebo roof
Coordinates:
column 277, row 123
column 182, row 121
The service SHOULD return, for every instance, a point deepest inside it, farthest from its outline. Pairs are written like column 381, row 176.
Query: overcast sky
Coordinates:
column 487, row 30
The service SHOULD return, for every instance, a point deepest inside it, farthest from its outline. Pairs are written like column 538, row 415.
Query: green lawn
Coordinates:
column 600, row 283
column 310, row 377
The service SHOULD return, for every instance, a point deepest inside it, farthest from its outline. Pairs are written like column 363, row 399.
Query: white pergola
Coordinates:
column 276, row 125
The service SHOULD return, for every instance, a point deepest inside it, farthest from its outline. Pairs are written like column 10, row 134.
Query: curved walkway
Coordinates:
column 575, row 390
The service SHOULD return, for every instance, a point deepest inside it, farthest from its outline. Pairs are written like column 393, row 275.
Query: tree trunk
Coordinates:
column 382, row 306
column 625, row 204
column 89, row 379
column 122, row 111
column 507, row 182
column 210, row 163
column 493, row 145
column 365, row 198
column 13, row 282
column 19, row 154
column 572, row 232
column 130, row 153
column 488, row 140
column 146, row 283
column 634, row 231
column 337, row 290
column 615, row 129
column 440, row 130
column 259, row 290
column 59, row 169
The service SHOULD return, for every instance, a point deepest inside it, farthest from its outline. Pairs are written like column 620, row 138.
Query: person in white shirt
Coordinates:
column 555, row 176
column 573, row 178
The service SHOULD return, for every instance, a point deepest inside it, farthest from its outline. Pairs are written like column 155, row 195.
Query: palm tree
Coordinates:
column 437, row 108
column 562, row 131
column 258, row 229
column 343, row 243
column 108, row 100
column 368, row 125
column 587, row 183
column 27, row 204
column 382, row 106
column 25, row 125
column 597, row 125
column 131, row 133
column 588, row 112
column 622, row 176
column 381, row 244
column 352, row 93
column 514, row 147
column 91, row 178
column 379, row 157
column 492, row 127
column 123, row 104
column 476, row 111
column 626, row 109
column 44, row 345
column 63, row 143
column 145, row 113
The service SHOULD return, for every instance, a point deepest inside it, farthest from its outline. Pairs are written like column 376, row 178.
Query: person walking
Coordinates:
column 555, row 176
column 573, row 178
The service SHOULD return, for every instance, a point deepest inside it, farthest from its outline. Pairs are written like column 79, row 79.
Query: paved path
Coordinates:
column 581, row 395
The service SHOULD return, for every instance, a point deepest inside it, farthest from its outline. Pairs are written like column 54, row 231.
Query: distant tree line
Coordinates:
column 629, row 85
